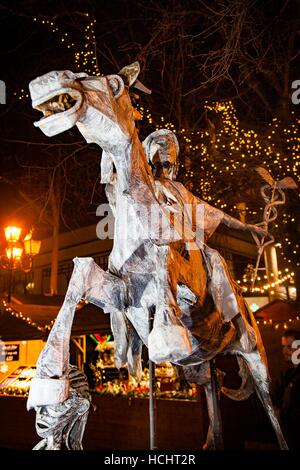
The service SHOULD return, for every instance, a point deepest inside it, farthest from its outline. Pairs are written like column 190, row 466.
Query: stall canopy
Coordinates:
column 278, row 310
column 31, row 317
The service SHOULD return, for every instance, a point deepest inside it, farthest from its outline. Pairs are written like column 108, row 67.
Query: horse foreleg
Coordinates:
column 259, row 374
column 87, row 281
column 109, row 292
column 51, row 384
column 54, row 358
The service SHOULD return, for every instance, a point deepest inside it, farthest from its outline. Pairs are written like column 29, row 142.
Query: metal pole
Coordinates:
column 152, row 397
column 217, row 426
column 10, row 281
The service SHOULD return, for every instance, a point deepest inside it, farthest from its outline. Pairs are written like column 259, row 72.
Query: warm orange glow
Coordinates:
column 14, row 252
column 12, row 234
column 32, row 247
column 28, row 236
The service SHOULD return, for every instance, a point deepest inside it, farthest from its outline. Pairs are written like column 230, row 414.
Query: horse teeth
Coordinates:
column 47, row 113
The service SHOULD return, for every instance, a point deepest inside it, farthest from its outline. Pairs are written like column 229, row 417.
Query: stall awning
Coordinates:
column 278, row 310
column 31, row 317
column 15, row 329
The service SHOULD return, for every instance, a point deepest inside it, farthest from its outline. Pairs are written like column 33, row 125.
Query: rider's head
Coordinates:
column 162, row 151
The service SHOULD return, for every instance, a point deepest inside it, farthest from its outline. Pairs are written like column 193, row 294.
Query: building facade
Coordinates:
column 237, row 248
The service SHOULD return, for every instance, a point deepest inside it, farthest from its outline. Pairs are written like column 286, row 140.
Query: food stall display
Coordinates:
column 108, row 379
column 112, row 381
column 17, row 383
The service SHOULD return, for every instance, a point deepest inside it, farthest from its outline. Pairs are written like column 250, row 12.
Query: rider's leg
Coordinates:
column 169, row 340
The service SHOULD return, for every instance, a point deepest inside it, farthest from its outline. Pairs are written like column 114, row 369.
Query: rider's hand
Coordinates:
column 255, row 229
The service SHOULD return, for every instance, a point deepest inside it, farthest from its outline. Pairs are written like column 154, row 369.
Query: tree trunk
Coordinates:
column 54, row 258
column 55, row 208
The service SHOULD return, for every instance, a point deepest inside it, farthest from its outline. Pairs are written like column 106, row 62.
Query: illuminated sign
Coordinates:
column 9, row 352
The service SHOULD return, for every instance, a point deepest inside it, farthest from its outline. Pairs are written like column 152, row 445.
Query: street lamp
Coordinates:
column 18, row 254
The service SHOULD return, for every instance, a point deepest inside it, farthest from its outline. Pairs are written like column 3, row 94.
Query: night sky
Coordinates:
column 172, row 40
column 30, row 48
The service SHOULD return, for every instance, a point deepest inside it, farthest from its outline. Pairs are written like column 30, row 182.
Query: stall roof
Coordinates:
column 30, row 314
column 15, row 329
column 278, row 310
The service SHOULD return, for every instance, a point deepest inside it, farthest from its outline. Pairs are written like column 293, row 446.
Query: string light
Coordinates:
column 85, row 57
column 20, row 316
column 276, row 325
column 265, row 287
column 230, row 149
column 226, row 152
column 238, row 145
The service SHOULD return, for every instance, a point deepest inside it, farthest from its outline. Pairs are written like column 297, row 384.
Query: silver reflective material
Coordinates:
column 62, row 425
column 199, row 310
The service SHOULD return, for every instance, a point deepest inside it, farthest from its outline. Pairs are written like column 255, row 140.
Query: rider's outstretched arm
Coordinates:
column 213, row 214
column 238, row 225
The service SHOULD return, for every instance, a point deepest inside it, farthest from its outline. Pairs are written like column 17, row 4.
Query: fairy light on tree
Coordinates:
column 217, row 161
column 221, row 162
column 84, row 52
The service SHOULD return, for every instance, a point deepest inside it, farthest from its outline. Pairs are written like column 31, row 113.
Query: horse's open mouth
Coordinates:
column 58, row 104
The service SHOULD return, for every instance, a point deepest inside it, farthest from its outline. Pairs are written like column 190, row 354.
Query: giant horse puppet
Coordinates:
column 199, row 312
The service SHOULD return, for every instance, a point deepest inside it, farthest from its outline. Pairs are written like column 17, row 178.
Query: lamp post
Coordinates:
column 18, row 254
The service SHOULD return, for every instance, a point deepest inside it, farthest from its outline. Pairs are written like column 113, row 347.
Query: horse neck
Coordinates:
column 133, row 187
column 119, row 139
column 134, row 177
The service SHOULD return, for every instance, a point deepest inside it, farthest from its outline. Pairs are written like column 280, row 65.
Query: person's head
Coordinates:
column 287, row 340
column 63, row 424
column 162, row 151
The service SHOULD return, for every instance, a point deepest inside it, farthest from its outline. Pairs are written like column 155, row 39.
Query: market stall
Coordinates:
column 120, row 417
column 120, row 402
column 25, row 324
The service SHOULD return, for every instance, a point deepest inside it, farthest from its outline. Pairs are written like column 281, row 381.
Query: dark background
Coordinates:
column 191, row 53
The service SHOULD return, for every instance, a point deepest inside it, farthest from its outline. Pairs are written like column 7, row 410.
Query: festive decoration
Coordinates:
column 224, row 151
column 84, row 53
column 273, row 195
column 18, row 314
column 131, row 388
column 265, row 287
column 130, row 391
column 102, row 340
column 278, row 325
column 225, row 155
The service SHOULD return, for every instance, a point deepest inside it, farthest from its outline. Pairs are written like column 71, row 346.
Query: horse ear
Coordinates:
column 80, row 75
column 130, row 73
column 116, row 84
